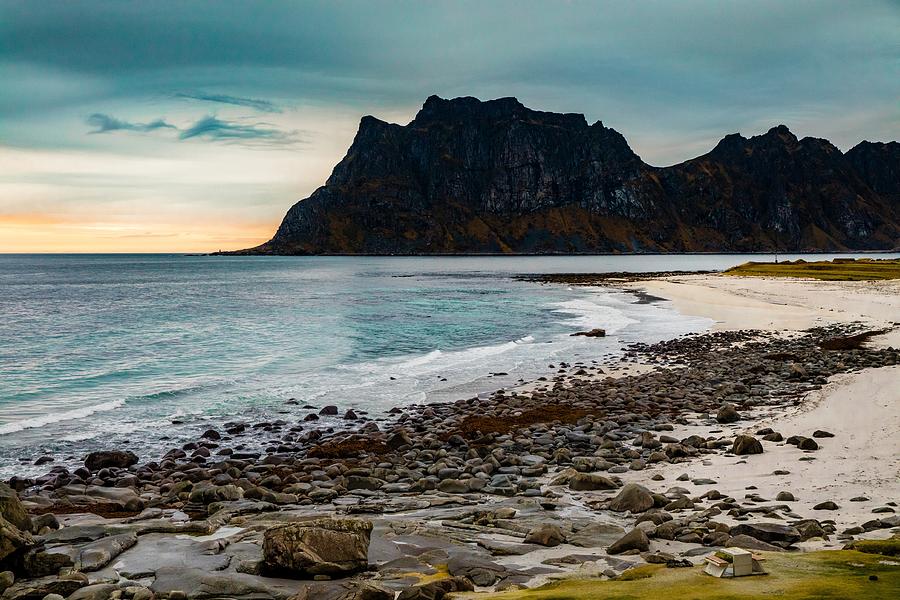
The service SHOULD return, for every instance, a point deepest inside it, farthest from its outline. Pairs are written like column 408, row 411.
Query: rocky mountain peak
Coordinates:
column 473, row 176
column 472, row 111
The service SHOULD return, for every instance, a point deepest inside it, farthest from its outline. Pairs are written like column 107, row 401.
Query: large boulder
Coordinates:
column 335, row 547
column 589, row 481
column 635, row 539
column 768, row 532
column 746, row 444
column 12, row 510
column 13, row 539
column 126, row 499
column 104, row 459
column 207, row 493
column 633, row 497
column 546, row 534
column 728, row 414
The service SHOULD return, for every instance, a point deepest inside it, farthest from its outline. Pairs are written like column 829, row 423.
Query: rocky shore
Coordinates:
column 580, row 473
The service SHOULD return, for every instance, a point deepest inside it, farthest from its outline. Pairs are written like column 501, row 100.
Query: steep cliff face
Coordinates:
column 467, row 176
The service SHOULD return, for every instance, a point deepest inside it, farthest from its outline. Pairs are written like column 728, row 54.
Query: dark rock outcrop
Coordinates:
column 467, row 176
column 104, row 459
column 335, row 547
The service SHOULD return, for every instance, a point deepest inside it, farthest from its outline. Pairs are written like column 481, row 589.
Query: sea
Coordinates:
column 144, row 352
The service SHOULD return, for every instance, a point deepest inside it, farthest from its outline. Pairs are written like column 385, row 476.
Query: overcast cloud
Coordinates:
column 673, row 77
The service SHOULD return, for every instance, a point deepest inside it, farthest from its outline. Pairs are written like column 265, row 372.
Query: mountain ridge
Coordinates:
column 467, row 176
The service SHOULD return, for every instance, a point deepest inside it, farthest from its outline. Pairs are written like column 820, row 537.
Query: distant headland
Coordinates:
column 494, row 177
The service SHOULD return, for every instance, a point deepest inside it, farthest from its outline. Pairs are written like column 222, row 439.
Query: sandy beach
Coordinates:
column 861, row 409
column 780, row 304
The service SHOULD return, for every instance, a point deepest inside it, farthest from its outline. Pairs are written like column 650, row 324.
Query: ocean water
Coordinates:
column 101, row 351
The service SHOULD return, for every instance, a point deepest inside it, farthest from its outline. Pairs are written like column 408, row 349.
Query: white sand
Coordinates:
column 862, row 409
column 780, row 303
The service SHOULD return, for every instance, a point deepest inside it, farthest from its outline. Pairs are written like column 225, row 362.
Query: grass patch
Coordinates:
column 889, row 547
column 839, row 269
column 826, row 575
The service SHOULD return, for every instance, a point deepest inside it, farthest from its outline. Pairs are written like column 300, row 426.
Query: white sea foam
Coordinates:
column 77, row 413
column 440, row 360
column 600, row 311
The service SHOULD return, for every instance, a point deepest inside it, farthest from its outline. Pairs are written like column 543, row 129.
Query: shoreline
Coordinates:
column 539, row 487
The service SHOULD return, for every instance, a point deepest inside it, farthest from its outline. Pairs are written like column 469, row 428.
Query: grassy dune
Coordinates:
column 827, row 575
column 839, row 269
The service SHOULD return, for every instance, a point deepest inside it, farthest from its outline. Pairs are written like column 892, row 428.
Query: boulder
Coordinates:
column 344, row 590
column 746, row 444
column 546, row 534
column 453, row 486
column 335, row 547
column 104, row 459
column 806, row 443
column 207, row 493
column 7, row 578
column 589, row 481
column 437, row 590
column 96, row 555
column 767, row 532
column 359, row 482
column 751, row 543
column 398, row 440
column 592, row 333
column 596, row 535
column 13, row 539
column 36, row 589
column 125, row 498
column 810, row 528
column 12, row 510
column 38, row 562
column 633, row 497
column 97, row 591
column 478, row 570
column 728, row 414
column 635, row 539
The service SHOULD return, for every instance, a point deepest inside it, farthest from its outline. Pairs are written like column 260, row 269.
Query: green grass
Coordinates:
column 840, row 269
column 826, row 575
column 890, row 547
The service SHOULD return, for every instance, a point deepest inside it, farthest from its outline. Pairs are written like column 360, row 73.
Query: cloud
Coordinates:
column 105, row 123
column 254, row 103
column 212, row 128
column 209, row 128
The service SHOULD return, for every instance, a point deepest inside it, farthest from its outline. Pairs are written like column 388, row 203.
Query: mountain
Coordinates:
column 467, row 176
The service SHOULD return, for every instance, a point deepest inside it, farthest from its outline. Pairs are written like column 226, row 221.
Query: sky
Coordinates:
column 173, row 126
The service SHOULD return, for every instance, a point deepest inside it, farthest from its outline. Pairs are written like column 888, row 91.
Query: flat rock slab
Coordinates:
column 97, row 554
column 156, row 551
column 203, row 583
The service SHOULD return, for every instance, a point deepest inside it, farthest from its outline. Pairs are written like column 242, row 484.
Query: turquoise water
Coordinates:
column 108, row 350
